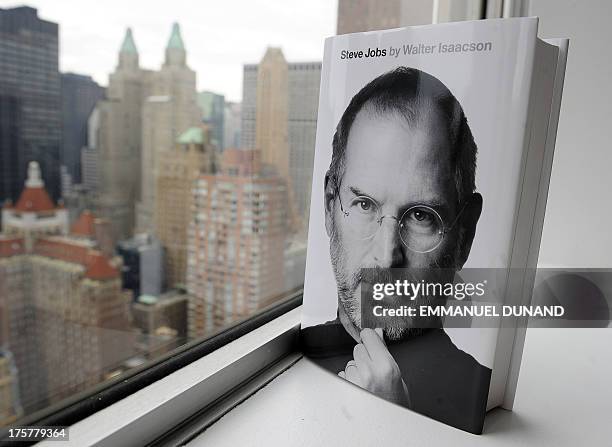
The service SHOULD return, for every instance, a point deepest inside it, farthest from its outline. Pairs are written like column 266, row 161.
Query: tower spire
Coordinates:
column 176, row 41
column 175, row 50
column 128, row 54
column 128, row 45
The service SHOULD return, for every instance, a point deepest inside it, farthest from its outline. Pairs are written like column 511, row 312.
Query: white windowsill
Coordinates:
column 150, row 412
column 563, row 399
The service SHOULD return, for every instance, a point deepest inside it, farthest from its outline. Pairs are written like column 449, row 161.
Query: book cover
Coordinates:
column 419, row 166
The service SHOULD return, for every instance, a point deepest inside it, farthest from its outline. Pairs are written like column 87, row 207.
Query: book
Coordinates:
column 433, row 155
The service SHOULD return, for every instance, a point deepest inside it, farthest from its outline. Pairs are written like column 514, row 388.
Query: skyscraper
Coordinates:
column 369, row 15
column 169, row 110
column 279, row 115
column 231, row 125
column 89, row 154
column 212, row 106
column 30, row 104
column 178, row 169
column 236, row 240
column 271, row 111
column 79, row 96
column 143, row 270
column 304, row 80
column 118, row 140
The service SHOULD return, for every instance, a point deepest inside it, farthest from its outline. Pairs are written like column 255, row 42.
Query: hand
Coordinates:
column 374, row 369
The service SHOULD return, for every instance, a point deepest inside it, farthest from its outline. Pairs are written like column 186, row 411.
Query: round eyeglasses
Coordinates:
column 421, row 229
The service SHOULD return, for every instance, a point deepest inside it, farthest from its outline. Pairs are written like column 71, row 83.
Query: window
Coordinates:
column 156, row 186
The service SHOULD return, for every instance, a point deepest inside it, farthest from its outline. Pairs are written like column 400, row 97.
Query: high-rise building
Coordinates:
column 279, row 115
column 272, row 94
column 237, row 235
column 90, row 174
column 79, row 96
column 143, row 259
column 117, row 140
column 212, row 106
column 170, row 110
column 231, row 125
column 369, row 15
column 304, row 80
column 178, row 169
column 61, row 302
column 30, row 102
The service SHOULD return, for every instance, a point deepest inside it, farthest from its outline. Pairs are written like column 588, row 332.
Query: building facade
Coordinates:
column 117, row 140
column 79, row 97
column 212, row 106
column 61, row 301
column 10, row 405
column 194, row 154
column 369, row 15
column 30, row 101
column 232, row 125
column 169, row 111
column 143, row 264
column 279, row 116
column 236, row 238
column 168, row 310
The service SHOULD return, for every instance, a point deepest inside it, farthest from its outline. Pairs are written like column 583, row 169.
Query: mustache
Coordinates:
column 374, row 275
column 380, row 275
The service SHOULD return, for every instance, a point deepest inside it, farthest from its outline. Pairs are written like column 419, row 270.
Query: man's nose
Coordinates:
column 388, row 250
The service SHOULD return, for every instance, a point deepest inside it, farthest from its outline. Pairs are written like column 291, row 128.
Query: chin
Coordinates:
column 401, row 333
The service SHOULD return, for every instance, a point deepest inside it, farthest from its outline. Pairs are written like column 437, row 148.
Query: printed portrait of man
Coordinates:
column 400, row 193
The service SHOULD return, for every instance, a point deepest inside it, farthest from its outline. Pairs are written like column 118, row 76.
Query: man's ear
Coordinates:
column 468, row 222
column 329, row 194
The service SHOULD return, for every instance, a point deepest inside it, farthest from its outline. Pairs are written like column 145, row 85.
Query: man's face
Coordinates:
column 398, row 165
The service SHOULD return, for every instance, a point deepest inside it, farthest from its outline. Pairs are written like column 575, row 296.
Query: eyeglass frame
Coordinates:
column 442, row 232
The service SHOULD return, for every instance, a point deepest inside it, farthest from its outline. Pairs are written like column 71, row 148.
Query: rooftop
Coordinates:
column 84, row 225
column 34, row 197
column 193, row 135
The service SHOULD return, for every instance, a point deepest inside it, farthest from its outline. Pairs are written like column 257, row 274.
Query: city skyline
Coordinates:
column 217, row 51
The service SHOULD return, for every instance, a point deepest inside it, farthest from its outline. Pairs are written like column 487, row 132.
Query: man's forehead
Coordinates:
column 385, row 153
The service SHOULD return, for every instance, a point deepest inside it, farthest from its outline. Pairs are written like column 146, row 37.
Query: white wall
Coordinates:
column 578, row 224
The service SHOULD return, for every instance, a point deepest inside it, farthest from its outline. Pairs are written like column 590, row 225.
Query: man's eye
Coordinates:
column 364, row 205
column 421, row 217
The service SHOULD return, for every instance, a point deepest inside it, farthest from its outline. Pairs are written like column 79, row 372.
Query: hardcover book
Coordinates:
column 433, row 155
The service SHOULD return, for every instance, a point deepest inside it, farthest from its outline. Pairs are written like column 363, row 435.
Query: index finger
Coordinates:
column 375, row 345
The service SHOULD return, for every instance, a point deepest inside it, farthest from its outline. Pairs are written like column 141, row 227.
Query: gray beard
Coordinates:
column 348, row 298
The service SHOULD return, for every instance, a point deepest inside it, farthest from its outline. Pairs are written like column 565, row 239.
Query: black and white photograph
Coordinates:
column 400, row 193
column 419, row 165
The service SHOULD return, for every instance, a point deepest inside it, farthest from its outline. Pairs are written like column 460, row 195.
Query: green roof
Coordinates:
column 128, row 45
column 147, row 299
column 193, row 135
column 176, row 41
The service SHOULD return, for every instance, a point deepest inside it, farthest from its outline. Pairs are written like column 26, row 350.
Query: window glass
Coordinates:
column 155, row 175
